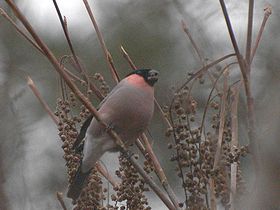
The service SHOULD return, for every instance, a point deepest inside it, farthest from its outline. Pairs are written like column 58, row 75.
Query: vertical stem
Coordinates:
column 249, row 33
column 267, row 13
column 234, row 142
column 213, row 202
column 107, row 55
column 41, row 100
column 59, row 197
column 222, row 121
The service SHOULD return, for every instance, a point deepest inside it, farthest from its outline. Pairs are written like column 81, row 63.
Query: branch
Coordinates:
column 249, row 33
column 107, row 55
column 127, row 57
column 267, row 13
column 186, row 30
column 152, row 184
column 234, row 142
column 59, row 197
column 76, row 60
column 41, row 100
column 222, row 121
column 7, row 17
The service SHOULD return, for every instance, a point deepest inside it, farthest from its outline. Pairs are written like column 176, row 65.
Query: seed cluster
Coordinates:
column 92, row 195
column 131, row 189
column 68, row 134
column 104, row 87
column 195, row 149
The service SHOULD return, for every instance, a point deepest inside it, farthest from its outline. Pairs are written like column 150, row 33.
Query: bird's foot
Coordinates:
column 128, row 154
column 109, row 127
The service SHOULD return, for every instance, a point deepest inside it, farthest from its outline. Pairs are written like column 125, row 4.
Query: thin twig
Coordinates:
column 152, row 184
column 59, row 197
column 41, row 100
column 213, row 202
column 234, row 141
column 160, row 172
column 107, row 55
column 105, row 174
column 233, row 40
column 186, row 30
column 222, row 121
column 210, row 96
column 267, row 13
column 7, row 17
column 63, row 23
column 127, row 57
column 198, row 52
column 249, row 34
column 197, row 74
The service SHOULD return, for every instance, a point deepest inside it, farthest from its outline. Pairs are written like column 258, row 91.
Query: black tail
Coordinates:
column 74, row 189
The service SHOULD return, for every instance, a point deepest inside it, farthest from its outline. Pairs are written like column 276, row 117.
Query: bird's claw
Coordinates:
column 109, row 127
column 128, row 154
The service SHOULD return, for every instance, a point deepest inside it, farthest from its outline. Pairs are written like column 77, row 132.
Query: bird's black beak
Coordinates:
column 153, row 76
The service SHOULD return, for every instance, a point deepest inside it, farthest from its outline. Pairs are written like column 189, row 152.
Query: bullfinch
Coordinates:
column 127, row 109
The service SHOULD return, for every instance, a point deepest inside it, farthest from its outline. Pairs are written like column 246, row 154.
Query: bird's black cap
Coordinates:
column 149, row 75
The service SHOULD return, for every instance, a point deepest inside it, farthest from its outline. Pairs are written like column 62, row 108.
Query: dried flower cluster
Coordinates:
column 92, row 195
column 131, row 189
column 195, row 151
column 68, row 134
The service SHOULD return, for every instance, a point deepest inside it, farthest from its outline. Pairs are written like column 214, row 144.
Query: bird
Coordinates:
column 127, row 109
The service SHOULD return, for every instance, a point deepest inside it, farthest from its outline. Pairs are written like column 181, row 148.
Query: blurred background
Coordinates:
column 31, row 164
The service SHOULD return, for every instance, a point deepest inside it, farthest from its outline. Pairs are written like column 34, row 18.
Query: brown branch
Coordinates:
column 222, row 121
column 105, row 174
column 127, row 57
column 59, row 197
column 152, row 184
column 41, row 100
column 213, row 202
column 63, row 23
column 107, row 55
column 267, row 13
column 160, row 172
column 234, row 142
column 210, row 95
column 186, row 30
column 249, row 34
column 7, row 17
